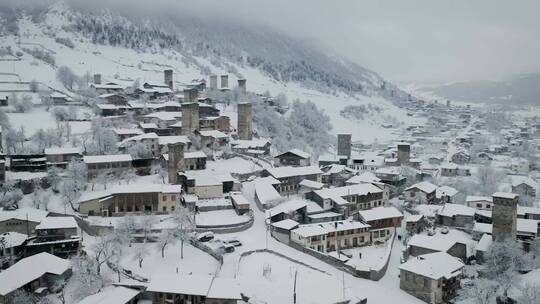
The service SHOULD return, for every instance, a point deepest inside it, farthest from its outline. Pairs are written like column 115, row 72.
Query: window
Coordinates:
column 164, row 208
column 375, row 234
column 426, row 283
column 173, row 198
column 172, row 208
column 478, row 205
column 164, row 198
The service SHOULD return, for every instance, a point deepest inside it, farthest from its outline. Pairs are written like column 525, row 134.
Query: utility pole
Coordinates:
column 294, row 291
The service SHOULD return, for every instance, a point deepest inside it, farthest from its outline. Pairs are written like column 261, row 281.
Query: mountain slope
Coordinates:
column 143, row 52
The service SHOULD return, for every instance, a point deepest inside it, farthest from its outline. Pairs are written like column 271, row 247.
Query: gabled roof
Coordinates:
column 450, row 210
column 30, row 269
column 296, row 152
column 425, row 187
column 379, row 213
column 57, row 222
column 96, row 159
column 32, row 214
column 281, row 172
column 434, row 265
column 110, row 295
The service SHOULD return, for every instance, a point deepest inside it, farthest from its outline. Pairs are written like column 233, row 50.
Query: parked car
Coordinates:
column 233, row 242
column 205, row 236
column 444, row 230
column 228, row 248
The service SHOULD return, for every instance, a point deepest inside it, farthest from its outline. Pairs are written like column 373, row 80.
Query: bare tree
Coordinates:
column 185, row 224
column 165, row 238
column 127, row 227
column 66, row 76
column 146, row 224
column 141, row 251
column 9, row 195
column 88, row 281
column 530, row 294
column 104, row 249
column 503, row 263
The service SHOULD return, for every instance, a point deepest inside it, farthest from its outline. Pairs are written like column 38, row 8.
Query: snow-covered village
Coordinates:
column 150, row 155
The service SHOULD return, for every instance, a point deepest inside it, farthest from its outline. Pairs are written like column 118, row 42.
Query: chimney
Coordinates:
column 213, row 82
column 176, row 162
column 97, row 78
column 224, row 81
column 242, row 85
column 168, row 77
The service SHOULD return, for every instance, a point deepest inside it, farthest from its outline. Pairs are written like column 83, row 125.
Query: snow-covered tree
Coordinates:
column 503, row 262
column 139, row 150
column 183, row 220
column 9, row 195
column 141, row 251
column 54, row 177
column 529, row 294
column 483, row 291
column 86, row 278
column 66, row 76
column 146, row 223
column 165, row 238
column 127, row 227
column 488, row 180
column 70, row 193
column 103, row 250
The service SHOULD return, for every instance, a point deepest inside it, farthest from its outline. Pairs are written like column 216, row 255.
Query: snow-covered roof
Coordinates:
column 130, row 188
column 309, row 230
column 111, row 295
column 449, row 166
column 213, row 134
column 223, row 288
column 127, row 131
column 281, row 172
column 425, row 187
column 379, row 213
column 473, row 198
column 523, row 226
column 445, row 191
column 194, row 154
column 357, row 189
column 413, row 218
column 434, row 265
column 161, row 115
column 364, row 177
column 450, row 210
column 522, row 210
column 30, row 269
column 296, row 152
column 139, row 137
column 61, row 151
column 505, row 195
column 96, row 159
column 311, row 184
column 250, row 144
column 437, row 242
column 180, row 284
column 57, row 222
column 173, row 139
column 286, row 224
column 149, row 125
column 32, row 214
column 485, row 242
column 286, row 207
column 12, row 239
column 518, row 180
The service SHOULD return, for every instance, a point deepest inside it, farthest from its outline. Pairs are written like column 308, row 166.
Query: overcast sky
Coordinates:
column 408, row 40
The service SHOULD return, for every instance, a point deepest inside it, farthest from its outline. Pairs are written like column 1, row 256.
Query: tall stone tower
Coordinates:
column 176, row 162
column 97, row 78
column 224, row 81
column 190, row 117
column 344, row 145
column 245, row 121
column 168, row 77
column 213, row 82
column 242, row 85
column 504, row 216
column 403, row 153
column 191, row 95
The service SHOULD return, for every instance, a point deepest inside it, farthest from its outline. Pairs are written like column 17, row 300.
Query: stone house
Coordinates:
column 479, row 202
column 23, row 220
column 62, row 156
column 349, row 199
column 421, row 244
column 456, row 215
column 291, row 177
column 149, row 140
column 422, row 193
column 383, row 222
column 56, row 235
column 294, row 158
column 113, row 164
column 415, row 223
column 329, row 236
column 433, row 278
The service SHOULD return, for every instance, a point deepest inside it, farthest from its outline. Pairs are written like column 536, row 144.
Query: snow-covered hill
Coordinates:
column 92, row 42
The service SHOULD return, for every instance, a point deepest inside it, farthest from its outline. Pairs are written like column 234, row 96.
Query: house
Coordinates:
column 449, row 169
column 433, row 278
column 149, row 140
column 282, row 230
column 195, row 160
column 213, row 138
column 453, row 244
column 336, row 175
column 22, row 220
column 520, row 166
column 110, row 110
column 58, row 98
column 383, row 222
column 34, row 274
column 524, row 186
column 294, row 158
column 266, row 195
column 421, row 193
column 479, row 202
column 526, row 229
column 113, row 294
column 460, row 157
column 415, row 223
column 446, row 194
column 11, row 248
column 137, row 198
column 329, row 236
column 295, row 210
column 483, row 247
column 240, row 202
column 62, row 156
column 220, row 123
column 194, row 289
column 254, row 147
column 391, row 176
column 532, row 213
column 307, row 186
column 368, row 177
column 114, row 99
column 207, row 184
column 349, row 199
column 109, row 87
column 123, row 133
column 456, row 215
column 107, row 164
column 56, row 235
column 290, row 177
column 164, row 141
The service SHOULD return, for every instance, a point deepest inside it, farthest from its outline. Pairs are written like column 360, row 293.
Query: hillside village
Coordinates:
column 166, row 200
column 122, row 189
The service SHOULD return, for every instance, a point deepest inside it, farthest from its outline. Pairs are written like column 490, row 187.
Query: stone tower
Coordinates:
column 242, row 85
column 168, row 76
column 344, row 145
column 190, row 117
column 245, row 121
column 176, row 162
column 504, row 216
column 403, row 153
column 191, row 95
column 213, row 82
column 224, row 81
column 97, row 78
